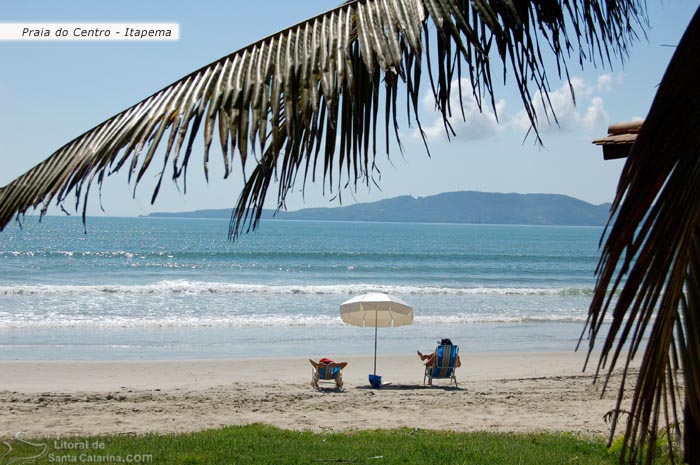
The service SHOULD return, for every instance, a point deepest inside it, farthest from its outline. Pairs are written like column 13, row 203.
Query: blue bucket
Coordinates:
column 375, row 381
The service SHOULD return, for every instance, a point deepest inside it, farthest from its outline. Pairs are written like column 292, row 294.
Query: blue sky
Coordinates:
column 51, row 92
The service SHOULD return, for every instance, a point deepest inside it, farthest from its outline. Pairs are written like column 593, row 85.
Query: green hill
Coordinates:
column 450, row 207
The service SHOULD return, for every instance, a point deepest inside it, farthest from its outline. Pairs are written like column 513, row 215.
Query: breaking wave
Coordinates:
column 201, row 287
column 250, row 321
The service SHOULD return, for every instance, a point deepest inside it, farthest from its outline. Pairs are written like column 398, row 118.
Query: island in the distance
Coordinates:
column 451, row 207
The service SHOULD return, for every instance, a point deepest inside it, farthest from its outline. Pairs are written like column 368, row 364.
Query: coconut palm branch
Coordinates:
column 309, row 98
column 649, row 272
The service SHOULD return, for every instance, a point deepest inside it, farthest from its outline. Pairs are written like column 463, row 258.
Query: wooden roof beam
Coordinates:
column 620, row 138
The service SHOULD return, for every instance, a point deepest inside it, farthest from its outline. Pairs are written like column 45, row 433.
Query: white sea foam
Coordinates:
column 202, row 287
column 253, row 321
column 170, row 321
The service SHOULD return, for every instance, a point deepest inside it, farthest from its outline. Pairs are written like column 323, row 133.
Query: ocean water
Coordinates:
column 144, row 288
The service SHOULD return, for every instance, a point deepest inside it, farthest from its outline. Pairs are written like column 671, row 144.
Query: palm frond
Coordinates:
column 308, row 97
column 650, row 260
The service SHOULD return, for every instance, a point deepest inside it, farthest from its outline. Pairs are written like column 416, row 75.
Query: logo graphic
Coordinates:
column 21, row 451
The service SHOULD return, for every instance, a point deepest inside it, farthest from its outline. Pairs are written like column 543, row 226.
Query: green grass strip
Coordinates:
column 259, row 444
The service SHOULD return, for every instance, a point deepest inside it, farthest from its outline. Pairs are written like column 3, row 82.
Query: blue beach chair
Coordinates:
column 444, row 366
column 331, row 372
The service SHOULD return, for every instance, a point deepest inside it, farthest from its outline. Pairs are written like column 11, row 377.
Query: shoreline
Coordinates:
column 498, row 391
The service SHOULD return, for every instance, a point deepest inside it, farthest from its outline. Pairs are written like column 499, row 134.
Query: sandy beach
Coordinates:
column 497, row 392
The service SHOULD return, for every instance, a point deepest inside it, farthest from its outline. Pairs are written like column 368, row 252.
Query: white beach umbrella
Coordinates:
column 377, row 310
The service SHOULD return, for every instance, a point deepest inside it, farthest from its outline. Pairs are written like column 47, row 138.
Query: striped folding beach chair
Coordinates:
column 444, row 366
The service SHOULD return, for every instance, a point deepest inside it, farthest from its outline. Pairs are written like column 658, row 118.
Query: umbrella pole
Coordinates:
column 375, row 344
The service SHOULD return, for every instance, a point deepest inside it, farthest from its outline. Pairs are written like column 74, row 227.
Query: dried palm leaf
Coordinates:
column 648, row 275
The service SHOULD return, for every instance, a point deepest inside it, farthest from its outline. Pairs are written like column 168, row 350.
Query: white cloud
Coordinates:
column 557, row 113
column 581, row 88
column 473, row 125
column 595, row 115
column 604, row 82
column 567, row 116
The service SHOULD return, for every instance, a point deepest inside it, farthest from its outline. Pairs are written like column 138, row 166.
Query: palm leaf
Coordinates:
column 308, row 98
column 650, row 263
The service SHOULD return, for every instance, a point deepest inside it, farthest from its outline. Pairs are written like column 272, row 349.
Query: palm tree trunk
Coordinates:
column 691, row 445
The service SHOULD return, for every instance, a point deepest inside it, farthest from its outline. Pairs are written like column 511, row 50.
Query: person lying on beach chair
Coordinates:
column 442, row 363
column 327, row 370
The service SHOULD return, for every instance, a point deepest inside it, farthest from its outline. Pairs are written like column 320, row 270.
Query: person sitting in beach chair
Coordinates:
column 327, row 370
column 442, row 363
